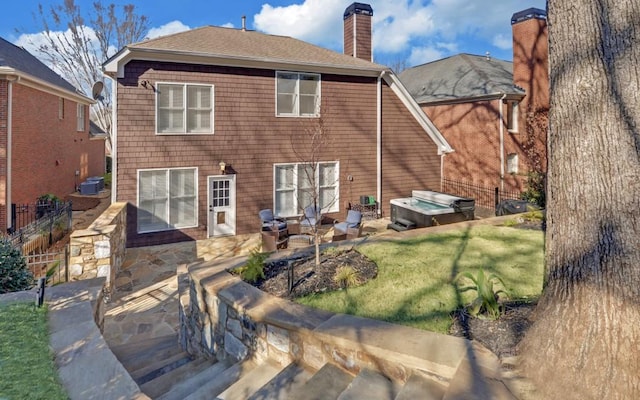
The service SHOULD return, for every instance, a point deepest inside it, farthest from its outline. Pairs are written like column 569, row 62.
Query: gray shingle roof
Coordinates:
column 236, row 43
column 21, row 60
column 459, row 77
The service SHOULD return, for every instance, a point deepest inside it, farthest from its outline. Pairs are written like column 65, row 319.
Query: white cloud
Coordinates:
column 425, row 28
column 502, row 42
column 423, row 55
column 167, row 29
column 315, row 21
column 228, row 25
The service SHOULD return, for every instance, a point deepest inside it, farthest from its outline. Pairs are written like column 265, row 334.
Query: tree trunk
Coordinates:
column 585, row 342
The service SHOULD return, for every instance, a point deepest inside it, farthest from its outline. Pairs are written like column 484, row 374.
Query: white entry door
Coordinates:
column 222, row 205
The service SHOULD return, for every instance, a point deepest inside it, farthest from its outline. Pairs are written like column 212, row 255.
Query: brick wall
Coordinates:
column 47, row 150
column 4, row 85
column 473, row 130
column 531, row 72
column 249, row 138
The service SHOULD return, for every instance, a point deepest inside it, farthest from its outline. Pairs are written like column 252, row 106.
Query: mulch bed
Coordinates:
column 500, row 336
column 309, row 279
column 82, row 203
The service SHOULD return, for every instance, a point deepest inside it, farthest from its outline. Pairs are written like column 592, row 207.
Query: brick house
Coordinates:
column 210, row 125
column 493, row 112
column 45, row 144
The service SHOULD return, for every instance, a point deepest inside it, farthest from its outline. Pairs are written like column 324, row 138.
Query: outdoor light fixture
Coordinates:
column 223, row 166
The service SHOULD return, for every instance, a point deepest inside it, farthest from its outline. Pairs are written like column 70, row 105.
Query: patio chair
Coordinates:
column 310, row 218
column 351, row 227
column 270, row 222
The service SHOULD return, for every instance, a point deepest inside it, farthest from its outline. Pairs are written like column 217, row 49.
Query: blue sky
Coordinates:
column 411, row 31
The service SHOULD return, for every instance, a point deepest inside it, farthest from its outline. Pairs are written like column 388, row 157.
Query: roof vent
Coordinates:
column 244, row 23
column 487, row 55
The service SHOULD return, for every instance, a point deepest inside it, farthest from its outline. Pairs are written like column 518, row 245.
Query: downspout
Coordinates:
column 7, row 189
column 114, row 139
column 501, row 122
column 379, row 146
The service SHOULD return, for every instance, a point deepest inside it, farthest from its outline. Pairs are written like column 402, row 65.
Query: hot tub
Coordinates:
column 427, row 208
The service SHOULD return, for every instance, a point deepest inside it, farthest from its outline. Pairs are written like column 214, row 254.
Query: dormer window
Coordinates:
column 297, row 94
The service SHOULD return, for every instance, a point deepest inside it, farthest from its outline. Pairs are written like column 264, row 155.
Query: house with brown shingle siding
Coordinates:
column 46, row 146
column 492, row 112
column 214, row 124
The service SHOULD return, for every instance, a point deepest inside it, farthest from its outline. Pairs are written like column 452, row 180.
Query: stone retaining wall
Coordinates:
column 221, row 316
column 99, row 250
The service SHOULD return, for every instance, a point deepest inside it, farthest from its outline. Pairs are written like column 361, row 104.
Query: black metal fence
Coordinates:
column 50, row 222
column 484, row 196
column 52, row 265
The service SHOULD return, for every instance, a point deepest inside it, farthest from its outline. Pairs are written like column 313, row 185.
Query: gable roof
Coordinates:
column 212, row 45
column 237, row 47
column 17, row 61
column 459, row 78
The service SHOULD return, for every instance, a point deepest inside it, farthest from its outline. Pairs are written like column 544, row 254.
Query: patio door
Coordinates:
column 222, row 205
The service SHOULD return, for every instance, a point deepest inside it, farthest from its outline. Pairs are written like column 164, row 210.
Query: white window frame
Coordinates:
column 333, row 207
column 512, row 163
column 81, row 123
column 185, row 107
column 168, row 226
column 296, row 111
column 512, row 115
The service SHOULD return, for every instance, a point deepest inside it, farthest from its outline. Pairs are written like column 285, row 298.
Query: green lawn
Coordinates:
column 415, row 284
column 27, row 370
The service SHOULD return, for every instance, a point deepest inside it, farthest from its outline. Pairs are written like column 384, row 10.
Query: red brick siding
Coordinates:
column 473, row 130
column 47, row 150
column 3, row 152
column 531, row 72
column 249, row 138
column 363, row 47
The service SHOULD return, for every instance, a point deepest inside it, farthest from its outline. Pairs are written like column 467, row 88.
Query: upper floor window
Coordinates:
column 60, row 107
column 184, row 108
column 512, row 116
column 297, row 94
column 81, row 122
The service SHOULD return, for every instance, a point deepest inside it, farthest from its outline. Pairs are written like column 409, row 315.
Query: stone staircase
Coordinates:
column 163, row 371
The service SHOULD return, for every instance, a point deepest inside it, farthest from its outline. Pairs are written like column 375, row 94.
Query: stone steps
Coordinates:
column 163, row 371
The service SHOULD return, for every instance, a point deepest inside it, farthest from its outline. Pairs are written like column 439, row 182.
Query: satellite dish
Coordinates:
column 97, row 90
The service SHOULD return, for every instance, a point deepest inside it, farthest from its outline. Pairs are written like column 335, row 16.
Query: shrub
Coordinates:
column 254, row 268
column 346, row 276
column 14, row 275
column 535, row 192
column 486, row 304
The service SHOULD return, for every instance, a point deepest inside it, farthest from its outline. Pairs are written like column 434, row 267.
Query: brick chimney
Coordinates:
column 531, row 54
column 357, row 31
column 531, row 72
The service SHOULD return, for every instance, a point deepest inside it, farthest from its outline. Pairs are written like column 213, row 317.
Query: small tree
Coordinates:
column 14, row 275
column 310, row 150
column 76, row 44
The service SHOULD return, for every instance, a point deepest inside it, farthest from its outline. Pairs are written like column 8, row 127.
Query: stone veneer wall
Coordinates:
column 99, row 250
column 221, row 316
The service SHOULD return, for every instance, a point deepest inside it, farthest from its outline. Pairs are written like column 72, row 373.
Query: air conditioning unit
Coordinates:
column 89, row 187
column 99, row 180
